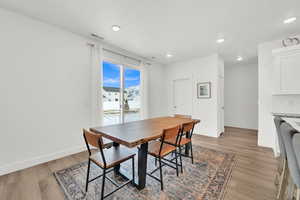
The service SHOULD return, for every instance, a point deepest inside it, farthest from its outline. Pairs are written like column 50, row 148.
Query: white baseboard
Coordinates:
column 12, row 167
column 206, row 134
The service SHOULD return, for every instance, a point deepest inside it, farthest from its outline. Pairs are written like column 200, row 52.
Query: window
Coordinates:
column 125, row 105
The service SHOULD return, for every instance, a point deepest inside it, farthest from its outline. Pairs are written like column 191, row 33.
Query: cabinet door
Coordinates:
column 290, row 73
column 287, row 72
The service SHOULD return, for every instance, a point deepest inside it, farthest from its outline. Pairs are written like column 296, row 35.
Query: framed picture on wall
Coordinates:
column 203, row 90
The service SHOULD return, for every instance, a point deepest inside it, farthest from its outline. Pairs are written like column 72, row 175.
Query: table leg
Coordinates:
column 142, row 165
column 117, row 167
column 187, row 146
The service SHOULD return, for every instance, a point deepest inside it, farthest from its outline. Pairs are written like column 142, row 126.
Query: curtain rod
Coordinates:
column 117, row 53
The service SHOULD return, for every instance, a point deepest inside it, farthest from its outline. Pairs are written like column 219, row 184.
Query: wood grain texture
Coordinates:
column 135, row 133
column 252, row 178
column 183, row 141
column 154, row 149
column 183, row 116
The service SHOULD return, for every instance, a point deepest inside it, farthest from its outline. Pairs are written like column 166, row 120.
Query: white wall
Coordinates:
column 45, row 88
column 45, row 91
column 267, row 102
column 156, row 91
column 241, row 95
column 197, row 70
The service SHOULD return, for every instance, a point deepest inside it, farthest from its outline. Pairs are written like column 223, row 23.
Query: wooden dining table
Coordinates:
column 139, row 133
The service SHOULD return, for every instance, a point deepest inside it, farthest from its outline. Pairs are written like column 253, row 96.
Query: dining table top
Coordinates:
column 134, row 133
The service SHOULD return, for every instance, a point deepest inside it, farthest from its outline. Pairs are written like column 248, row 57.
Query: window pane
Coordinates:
column 132, row 97
column 111, row 93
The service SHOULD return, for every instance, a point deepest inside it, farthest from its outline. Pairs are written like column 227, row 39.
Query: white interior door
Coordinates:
column 182, row 98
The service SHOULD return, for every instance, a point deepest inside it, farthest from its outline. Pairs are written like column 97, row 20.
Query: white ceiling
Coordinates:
column 184, row 28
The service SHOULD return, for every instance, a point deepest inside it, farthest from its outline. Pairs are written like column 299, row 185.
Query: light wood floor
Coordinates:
column 252, row 178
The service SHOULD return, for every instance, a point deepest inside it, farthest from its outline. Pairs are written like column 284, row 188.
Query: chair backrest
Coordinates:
column 278, row 121
column 197, row 121
column 187, row 127
column 171, row 132
column 183, row 116
column 287, row 132
column 94, row 140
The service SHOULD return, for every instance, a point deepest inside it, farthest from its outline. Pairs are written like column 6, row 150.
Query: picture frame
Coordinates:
column 204, row 90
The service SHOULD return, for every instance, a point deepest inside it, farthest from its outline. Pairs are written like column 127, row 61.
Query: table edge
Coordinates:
column 125, row 143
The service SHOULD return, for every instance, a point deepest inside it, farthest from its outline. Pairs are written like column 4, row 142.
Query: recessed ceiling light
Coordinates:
column 220, row 40
column 239, row 58
column 168, row 55
column 115, row 27
column 290, row 20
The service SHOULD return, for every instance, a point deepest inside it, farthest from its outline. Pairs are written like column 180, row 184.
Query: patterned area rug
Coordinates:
column 206, row 179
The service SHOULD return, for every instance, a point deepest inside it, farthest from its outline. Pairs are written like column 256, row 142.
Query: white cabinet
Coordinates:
column 286, row 72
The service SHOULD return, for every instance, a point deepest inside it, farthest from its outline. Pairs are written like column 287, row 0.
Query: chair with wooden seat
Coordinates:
column 185, row 139
column 106, row 159
column 160, row 149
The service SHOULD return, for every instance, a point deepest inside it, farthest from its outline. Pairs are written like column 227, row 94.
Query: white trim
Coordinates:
column 205, row 133
column 96, row 60
column 39, row 160
column 144, row 84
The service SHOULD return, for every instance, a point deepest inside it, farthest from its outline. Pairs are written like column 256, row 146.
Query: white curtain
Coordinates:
column 144, row 92
column 96, row 84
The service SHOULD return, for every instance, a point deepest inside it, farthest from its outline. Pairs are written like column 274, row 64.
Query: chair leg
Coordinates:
column 180, row 158
column 103, row 184
column 298, row 194
column 133, row 177
column 161, row 176
column 87, row 176
column 290, row 188
column 281, row 180
column 192, row 157
column 284, row 189
column 176, row 162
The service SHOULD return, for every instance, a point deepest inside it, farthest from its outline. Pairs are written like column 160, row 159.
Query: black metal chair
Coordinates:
column 185, row 139
column 160, row 149
column 106, row 159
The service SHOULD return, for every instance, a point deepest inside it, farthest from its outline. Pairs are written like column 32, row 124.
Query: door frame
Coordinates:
column 221, row 105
